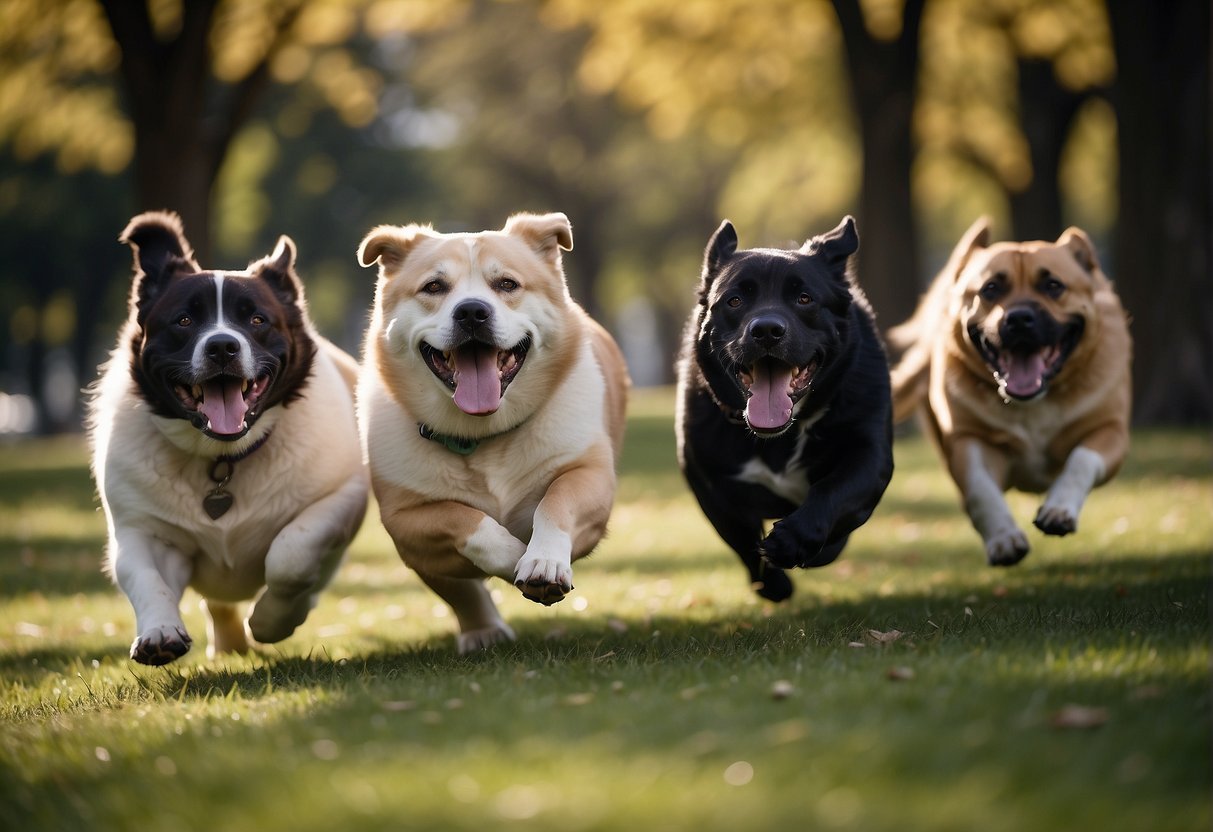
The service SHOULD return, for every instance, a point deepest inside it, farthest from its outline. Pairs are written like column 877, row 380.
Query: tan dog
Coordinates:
column 492, row 411
column 1019, row 357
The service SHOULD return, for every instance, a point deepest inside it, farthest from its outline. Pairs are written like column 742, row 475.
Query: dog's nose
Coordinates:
column 1021, row 321
column 768, row 330
column 471, row 314
column 222, row 348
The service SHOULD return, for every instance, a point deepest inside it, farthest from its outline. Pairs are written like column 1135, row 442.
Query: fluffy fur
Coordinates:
column 1017, row 360
column 212, row 365
column 783, row 403
column 492, row 410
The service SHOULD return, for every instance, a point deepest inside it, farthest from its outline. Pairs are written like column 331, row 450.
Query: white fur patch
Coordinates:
column 221, row 327
column 986, row 505
column 493, row 549
column 1084, row 469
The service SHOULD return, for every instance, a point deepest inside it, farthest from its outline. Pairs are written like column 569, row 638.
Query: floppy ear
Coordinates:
column 977, row 237
column 160, row 252
column 278, row 269
column 836, row 246
column 390, row 245
column 547, row 234
column 1080, row 246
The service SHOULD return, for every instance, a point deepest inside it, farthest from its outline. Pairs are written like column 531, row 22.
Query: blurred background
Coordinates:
column 647, row 122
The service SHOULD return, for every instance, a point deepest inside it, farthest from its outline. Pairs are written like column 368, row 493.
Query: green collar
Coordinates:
column 460, row 445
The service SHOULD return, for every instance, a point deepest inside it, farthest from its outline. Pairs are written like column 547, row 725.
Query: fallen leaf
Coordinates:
column 885, row 637
column 899, row 674
column 1079, row 716
column 579, row 698
column 782, row 689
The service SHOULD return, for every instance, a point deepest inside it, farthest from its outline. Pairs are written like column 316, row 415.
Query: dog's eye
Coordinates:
column 257, row 320
column 804, row 299
column 1051, row 286
column 184, row 321
column 434, row 287
column 507, row 284
column 734, row 301
column 992, row 290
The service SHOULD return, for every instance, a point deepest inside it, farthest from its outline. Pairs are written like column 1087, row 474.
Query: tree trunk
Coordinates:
column 1046, row 113
column 884, row 75
column 1164, row 241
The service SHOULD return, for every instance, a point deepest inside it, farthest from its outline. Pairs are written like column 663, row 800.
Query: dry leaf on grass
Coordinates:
column 887, row 637
column 1079, row 716
column 782, row 689
column 899, row 674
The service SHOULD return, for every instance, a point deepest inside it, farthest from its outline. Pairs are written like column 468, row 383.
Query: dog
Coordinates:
column 783, row 407
column 1018, row 360
column 224, row 447
column 492, row 411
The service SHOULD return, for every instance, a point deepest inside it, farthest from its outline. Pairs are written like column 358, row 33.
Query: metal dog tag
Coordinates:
column 217, row 503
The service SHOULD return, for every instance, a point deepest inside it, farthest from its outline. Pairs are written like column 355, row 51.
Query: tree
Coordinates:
column 1164, row 245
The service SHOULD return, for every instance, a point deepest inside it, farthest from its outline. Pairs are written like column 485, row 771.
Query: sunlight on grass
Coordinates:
column 908, row 685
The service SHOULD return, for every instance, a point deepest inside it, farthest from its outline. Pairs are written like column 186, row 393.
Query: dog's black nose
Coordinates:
column 768, row 330
column 471, row 314
column 222, row 348
column 1020, row 321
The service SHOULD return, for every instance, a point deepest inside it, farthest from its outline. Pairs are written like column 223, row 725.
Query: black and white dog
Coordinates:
column 225, row 446
column 783, row 406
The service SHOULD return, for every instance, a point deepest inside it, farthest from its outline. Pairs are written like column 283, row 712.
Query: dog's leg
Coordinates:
column 741, row 531
column 1092, row 463
column 302, row 559
column 154, row 577
column 480, row 625
column 225, row 629
column 569, row 521
column 979, row 472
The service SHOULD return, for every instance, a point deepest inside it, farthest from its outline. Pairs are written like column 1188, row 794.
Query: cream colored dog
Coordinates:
column 492, row 412
column 1018, row 359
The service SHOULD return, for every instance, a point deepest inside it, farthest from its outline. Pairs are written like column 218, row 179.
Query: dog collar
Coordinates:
column 461, row 445
column 218, row 500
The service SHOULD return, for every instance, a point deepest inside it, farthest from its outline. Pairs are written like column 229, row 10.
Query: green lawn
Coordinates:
column 907, row 686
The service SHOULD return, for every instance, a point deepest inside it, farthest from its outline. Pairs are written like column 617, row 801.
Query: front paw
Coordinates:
column 484, row 638
column 788, row 547
column 161, row 645
column 1056, row 519
column 1007, row 547
column 543, row 580
column 274, row 618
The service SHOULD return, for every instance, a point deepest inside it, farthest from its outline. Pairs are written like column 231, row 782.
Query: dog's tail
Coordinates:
column 914, row 340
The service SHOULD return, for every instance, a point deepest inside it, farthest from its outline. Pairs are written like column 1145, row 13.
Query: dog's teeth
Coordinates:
column 244, row 386
column 197, row 391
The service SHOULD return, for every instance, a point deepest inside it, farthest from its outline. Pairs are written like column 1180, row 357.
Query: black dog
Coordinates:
column 784, row 407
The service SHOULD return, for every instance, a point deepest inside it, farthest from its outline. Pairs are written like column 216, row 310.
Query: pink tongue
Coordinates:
column 224, row 405
column 769, row 406
column 477, row 383
column 1024, row 374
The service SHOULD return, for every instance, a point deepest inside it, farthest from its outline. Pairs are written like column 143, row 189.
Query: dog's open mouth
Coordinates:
column 477, row 372
column 224, row 402
column 1024, row 374
column 772, row 388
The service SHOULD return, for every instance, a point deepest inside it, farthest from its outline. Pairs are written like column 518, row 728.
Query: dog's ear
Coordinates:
column 160, row 252
column 1080, row 246
column 835, row 247
column 278, row 270
column 390, row 245
column 976, row 238
column 547, row 234
column 720, row 248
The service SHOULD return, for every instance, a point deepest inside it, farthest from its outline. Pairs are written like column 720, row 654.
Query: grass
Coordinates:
column 907, row 686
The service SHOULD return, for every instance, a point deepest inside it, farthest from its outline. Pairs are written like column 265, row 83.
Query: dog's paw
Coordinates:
column 485, row 638
column 787, row 549
column 1056, row 520
column 161, row 645
column 772, row 583
column 542, row 580
column 1006, row 548
column 273, row 619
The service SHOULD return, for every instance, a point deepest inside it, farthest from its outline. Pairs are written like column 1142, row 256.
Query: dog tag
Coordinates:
column 217, row 503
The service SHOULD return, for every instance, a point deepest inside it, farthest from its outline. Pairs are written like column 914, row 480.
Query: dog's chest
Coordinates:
column 786, row 477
